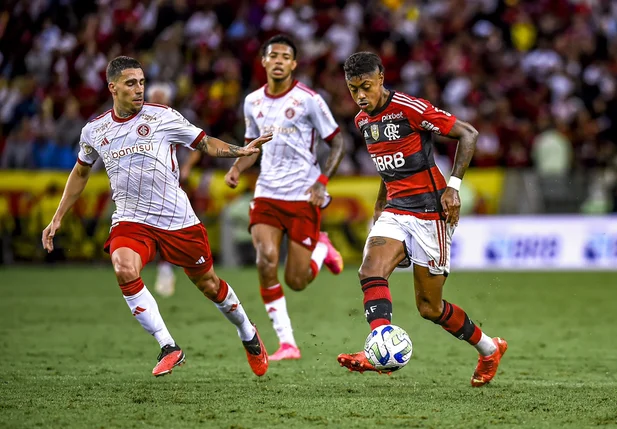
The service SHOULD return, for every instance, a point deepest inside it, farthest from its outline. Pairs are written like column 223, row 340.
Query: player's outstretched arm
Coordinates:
column 220, row 149
column 75, row 185
column 467, row 137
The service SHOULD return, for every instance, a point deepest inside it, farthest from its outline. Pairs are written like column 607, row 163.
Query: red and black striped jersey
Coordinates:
column 399, row 138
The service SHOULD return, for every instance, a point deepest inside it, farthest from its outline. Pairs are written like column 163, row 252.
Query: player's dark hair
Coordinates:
column 362, row 63
column 279, row 39
column 118, row 64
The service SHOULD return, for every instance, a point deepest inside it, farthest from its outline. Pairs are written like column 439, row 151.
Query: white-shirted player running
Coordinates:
column 291, row 189
column 137, row 142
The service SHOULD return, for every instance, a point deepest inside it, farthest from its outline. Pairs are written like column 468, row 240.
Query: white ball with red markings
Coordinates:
column 388, row 348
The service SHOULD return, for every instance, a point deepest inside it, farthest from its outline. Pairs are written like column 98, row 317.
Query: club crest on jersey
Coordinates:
column 290, row 113
column 86, row 147
column 392, row 132
column 143, row 130
column 375, row 131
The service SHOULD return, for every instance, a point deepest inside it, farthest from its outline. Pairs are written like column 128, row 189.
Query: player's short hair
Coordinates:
column 279, row 39
column 118, row 64
column 362, row 63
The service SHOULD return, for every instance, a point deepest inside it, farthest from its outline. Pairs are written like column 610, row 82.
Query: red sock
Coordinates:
column 133, row 287
column 454, row 320
column 222, row 293
column 377, row 301
column 271, row 294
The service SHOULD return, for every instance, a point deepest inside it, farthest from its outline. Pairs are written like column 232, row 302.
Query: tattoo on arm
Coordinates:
column 376, row 241
column 226, row 151
column 202, row 146
column 231, row 151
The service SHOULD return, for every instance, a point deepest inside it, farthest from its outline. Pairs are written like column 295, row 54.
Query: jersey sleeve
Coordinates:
column 322, row 118
column 252, row 130
column 86, row 155
column 424, row 116
column 181, row 131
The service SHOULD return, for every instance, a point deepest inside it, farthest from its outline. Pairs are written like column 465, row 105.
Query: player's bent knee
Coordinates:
column 208, row 286
column 125, row 272
column 429, row 310
column 367, row 271
column 296, row 282
column 267, row 264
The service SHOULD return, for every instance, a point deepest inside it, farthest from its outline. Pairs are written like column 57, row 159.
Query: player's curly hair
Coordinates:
column 362, row 63
column 118, row 64
column 279, row 39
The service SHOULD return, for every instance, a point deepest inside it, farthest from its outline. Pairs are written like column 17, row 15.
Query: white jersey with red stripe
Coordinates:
column 297, row 118
column 139, row 153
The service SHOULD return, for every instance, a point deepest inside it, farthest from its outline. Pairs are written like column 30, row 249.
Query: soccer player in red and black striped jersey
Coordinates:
column 416, row 211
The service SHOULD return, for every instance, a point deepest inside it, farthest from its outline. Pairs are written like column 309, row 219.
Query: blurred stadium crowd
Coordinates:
column 536, row 78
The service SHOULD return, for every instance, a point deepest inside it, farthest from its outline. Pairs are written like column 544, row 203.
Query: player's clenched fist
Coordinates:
column 48, row 235
column 232, row 177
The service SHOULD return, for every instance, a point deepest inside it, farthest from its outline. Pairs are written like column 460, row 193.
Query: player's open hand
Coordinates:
column 232, row 177
column 317, row 194
column 451, row 204
column 48, row 235
column 255, row 146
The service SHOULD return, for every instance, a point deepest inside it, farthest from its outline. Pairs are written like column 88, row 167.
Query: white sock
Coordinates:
column 319, row 254
column 234, row 312
column 277, row 311
column 146, row 311
column 485, row 346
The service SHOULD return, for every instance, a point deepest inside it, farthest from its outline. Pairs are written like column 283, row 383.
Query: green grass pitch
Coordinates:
column 74, row 356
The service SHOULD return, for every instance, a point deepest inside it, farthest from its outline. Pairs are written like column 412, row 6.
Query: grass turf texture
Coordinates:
column 75, row 358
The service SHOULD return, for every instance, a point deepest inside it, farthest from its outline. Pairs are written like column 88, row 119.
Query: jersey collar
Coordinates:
column 293, row 84
column 128, row 118
column 385, row 105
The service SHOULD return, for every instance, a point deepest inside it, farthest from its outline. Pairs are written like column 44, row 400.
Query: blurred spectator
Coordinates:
column 552, row 151
column 18, row 149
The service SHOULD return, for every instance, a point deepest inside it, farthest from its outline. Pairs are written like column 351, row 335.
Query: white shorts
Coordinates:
column 427, row 242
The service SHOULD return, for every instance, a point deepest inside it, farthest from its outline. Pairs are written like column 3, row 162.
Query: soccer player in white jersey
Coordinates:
column 291, row 189
column 137, row 142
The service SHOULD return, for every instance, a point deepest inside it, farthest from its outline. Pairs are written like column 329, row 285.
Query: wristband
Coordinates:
column 454, row 183
column 323, row 179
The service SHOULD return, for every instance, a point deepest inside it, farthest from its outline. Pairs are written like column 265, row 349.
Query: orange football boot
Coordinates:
column 358, row 362
column 256, row 354
column 487, row 365
column 170, row 357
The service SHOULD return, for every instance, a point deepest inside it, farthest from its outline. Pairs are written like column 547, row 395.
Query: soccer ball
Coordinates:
column 388, row 348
